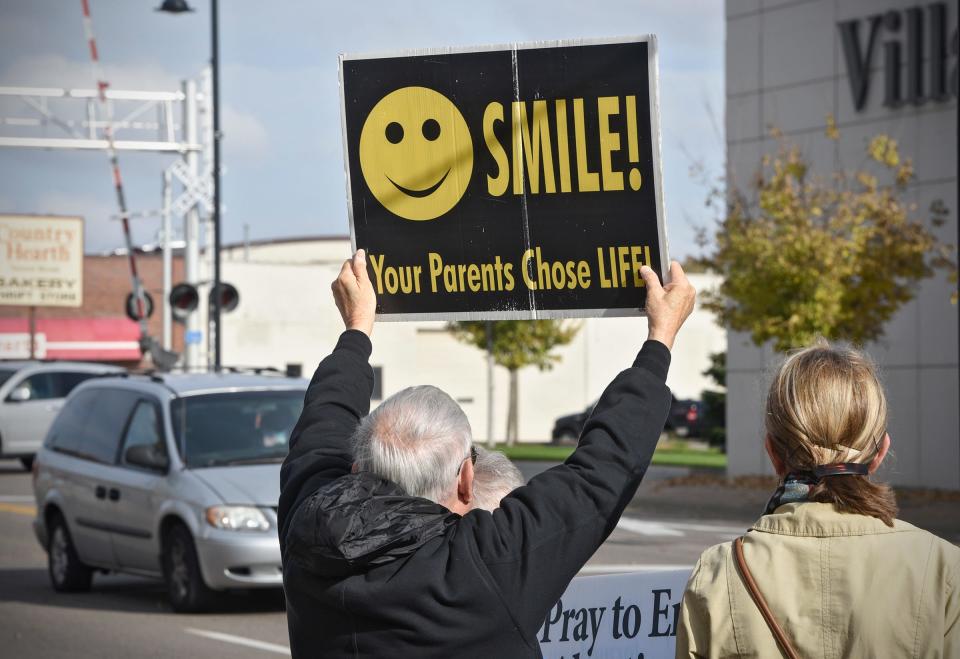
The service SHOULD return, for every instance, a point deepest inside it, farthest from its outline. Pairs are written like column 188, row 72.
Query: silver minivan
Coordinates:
column 31, row 394
column 172, row 476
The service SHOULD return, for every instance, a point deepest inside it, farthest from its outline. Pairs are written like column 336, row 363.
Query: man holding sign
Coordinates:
column 382, row 554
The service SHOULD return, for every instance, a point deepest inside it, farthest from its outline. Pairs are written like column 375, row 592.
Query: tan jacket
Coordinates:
column 841, row 585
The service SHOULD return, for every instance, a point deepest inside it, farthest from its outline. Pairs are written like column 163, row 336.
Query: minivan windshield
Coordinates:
column 232, row 428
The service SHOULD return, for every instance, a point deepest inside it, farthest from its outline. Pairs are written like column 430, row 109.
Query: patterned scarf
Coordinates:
column 796, row 486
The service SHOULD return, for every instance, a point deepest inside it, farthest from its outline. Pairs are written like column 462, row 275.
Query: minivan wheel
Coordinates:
column 67, row 573
column 27, row 462
column 181, row 570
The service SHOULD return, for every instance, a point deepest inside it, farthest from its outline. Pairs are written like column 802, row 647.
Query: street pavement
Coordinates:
column 124, row 616
column 675, row 515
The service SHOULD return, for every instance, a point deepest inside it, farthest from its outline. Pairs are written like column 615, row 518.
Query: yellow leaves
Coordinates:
column 831, row 131
column 832, row 256
column 883, row 149
column 904, row 172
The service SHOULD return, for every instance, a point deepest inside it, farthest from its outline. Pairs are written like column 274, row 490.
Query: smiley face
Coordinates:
column 416, row 153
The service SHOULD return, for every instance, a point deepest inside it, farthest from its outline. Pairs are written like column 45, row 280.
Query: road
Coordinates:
column 129, row 617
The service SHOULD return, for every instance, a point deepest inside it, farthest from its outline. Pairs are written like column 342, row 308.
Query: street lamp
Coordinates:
column 180, row 7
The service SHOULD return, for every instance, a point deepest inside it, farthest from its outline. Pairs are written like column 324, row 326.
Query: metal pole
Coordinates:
column 32, row 322
column 215, row 65
column 167, row 262
column 491, row 438
column 191, row 228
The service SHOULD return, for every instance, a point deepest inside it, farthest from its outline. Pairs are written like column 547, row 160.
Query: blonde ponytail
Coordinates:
column 826, row 405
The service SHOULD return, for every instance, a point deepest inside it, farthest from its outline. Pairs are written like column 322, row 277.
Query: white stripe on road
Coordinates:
column 239, row 640
column 711, row 528
column 12, row 498
column 630, row 567
column 676, row 529
column 647, row 528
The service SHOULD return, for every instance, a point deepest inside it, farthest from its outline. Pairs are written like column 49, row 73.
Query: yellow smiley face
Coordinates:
column 416, row 153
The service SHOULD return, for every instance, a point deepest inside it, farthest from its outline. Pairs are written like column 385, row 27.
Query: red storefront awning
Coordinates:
column 112, row 339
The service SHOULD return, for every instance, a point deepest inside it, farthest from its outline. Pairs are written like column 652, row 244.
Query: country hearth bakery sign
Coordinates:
column 913, row 50
column 41, row 261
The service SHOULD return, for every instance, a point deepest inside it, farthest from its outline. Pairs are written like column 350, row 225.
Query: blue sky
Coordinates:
column 280, row 98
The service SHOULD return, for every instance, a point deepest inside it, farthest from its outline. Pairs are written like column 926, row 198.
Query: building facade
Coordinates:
column 876, row 66
column 286, row 317
column 99, row 330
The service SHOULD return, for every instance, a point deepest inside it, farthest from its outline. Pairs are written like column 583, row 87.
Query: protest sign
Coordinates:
column 616, row 616
column 506, row 182
column 41, row 261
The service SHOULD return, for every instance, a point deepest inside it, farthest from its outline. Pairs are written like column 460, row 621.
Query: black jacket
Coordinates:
column 372, row 572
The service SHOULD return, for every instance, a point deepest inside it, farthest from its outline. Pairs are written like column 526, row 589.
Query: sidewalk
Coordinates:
column 712, row 497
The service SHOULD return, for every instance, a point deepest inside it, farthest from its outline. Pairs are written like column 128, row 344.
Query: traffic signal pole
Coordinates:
column 191, row 231
column 215, row 66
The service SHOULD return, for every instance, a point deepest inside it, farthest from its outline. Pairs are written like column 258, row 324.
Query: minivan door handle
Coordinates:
column 101, row 492
column 114, row 494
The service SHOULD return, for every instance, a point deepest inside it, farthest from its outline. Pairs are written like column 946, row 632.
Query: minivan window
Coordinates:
column 144, row 430
column 235, row 428
column 105, row 424
column 66, row 433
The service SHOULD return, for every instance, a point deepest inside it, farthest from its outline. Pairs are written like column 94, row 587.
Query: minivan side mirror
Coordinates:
column 146, row 456
column 20, row 394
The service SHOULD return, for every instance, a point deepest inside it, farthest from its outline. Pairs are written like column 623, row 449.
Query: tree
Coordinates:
column 715, row 400
column 834, row 257
column 516, row 344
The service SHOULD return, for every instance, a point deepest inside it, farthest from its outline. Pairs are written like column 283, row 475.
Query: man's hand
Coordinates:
column 667, row 306
column 353, row 293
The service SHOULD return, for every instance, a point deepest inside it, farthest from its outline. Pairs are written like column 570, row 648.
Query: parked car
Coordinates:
column 685, row 419
column 567, row 429
column 31, row 394
column 173, row 476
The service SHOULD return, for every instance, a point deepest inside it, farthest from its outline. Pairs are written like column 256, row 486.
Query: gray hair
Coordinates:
column 494, row 477
column 416, row 438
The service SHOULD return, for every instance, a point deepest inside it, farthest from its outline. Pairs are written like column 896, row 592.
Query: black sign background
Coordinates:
column 565, row 226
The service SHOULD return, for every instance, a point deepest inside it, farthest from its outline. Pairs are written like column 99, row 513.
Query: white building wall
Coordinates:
column 785, row 68
column 287, row 316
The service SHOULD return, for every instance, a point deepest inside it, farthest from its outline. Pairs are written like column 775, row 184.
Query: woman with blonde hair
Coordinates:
column 828, row 570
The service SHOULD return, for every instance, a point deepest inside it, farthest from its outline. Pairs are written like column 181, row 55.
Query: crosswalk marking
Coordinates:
column 239, row 640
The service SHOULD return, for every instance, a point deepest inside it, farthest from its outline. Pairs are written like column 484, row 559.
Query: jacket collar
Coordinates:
column 821, row 520
column 360, row 521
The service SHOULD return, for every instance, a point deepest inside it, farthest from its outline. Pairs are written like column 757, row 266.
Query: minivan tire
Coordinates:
column 67, row 573
column 27, row 462
column 181, row 570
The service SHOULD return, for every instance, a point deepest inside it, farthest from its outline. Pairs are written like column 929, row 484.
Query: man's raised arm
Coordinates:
column 338, row 396
column 546, row 531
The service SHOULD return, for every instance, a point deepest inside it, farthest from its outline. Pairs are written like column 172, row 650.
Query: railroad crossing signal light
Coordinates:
column 131, row 306
column 183, row 299
column 229, row 297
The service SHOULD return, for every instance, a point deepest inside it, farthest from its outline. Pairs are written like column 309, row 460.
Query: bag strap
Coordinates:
column 761, row 603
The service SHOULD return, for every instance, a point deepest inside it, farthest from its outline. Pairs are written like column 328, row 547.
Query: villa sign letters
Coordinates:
column 915, row 38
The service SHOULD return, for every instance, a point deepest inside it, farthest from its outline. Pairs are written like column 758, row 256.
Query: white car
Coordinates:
column 31, row 394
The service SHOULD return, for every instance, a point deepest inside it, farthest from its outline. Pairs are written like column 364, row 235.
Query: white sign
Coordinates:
column 616, row 616
column 17, row 346
column 41, row 261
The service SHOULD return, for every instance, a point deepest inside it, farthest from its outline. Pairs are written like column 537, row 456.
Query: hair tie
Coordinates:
column 842, row 469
